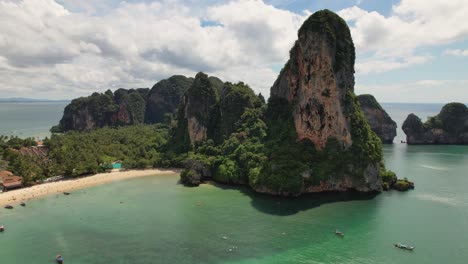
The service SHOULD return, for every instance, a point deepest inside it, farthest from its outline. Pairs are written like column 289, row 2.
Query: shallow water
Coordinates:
column 160, row 221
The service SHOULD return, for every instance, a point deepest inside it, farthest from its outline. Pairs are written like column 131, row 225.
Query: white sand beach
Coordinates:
column 14, row 197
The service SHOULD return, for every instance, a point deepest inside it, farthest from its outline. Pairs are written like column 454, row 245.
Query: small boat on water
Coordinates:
column 8, row 206
column 2, row 228
column 339, row 233
column 59, row 259
column 23, row 204
column 66, row 193
column 401, row 246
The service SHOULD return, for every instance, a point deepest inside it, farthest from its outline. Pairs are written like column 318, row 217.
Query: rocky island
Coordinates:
column 450, row 126
column 311, row 136
column 380, row 122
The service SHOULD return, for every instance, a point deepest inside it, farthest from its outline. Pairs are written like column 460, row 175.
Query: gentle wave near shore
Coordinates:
column 14, row 197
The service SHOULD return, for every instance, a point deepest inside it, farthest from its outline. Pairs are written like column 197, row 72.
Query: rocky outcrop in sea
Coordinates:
column 450, row 126
column 336, row 148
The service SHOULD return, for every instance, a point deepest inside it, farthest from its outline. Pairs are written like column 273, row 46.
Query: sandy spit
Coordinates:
column 14, row 197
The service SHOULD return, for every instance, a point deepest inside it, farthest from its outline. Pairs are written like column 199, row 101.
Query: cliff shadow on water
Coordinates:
column 285, row 206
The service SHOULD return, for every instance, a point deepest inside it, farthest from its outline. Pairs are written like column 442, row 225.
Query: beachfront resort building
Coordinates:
column 8, row 181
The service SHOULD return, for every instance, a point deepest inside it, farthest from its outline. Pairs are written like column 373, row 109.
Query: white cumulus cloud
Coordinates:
column 67, row 48
column 65, row 53
column 393, row 41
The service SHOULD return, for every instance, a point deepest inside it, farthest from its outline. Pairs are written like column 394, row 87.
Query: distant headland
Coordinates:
column 450, row 126
column 28, row 100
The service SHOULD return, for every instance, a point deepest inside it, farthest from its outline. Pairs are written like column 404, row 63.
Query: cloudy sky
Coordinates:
column 407, row 50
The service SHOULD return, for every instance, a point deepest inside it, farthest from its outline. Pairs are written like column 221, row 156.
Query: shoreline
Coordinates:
column 14, row 197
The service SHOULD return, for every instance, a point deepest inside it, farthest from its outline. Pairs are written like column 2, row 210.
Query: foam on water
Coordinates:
column 434, row 167
column 439, row 199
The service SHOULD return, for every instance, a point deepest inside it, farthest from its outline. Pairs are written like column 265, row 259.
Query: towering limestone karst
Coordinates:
column 380, row 122
column 197, row 112
column 164, row 98
column 450, row 126
column 211, row 110
column 125, row 107
column 311, row 136
column 318, row 138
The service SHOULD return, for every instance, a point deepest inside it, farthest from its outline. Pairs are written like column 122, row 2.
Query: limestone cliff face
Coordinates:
column 87, row 113
column 164, row 98
column 80, row 119
column 450, row 126
column 122, row 115
column 380, row 122
column 209, row 112
column 131, row 105
column 317, row 84
column 126, row 107
column 198, row 105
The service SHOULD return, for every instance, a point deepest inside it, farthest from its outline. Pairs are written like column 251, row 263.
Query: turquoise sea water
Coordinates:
column 29, row 119
column 160, row 221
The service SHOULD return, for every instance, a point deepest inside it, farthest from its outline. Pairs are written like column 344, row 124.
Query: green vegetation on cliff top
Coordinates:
column 369, row 100
column 338, row 35
column 164, row 98
column 125, row 107
column 452, row 119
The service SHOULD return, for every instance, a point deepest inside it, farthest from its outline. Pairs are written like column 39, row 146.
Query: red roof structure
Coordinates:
column 11, row 182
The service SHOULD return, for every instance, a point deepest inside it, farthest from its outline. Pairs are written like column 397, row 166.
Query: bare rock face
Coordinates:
column 124, row 107
column 197, row 131
column 334, row 148
column 131, row 107
column 87, row 113
column 317, row 77
column 380, row 122
column 197, row 107
column 316, row 80
column 122, row 116
column 450, row 126
column 83, row 120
